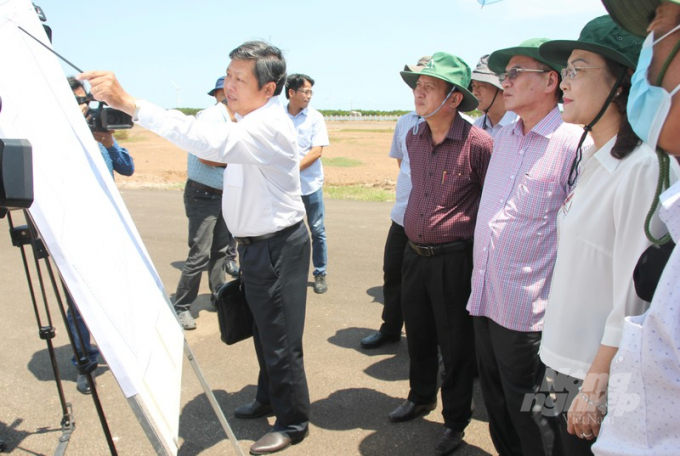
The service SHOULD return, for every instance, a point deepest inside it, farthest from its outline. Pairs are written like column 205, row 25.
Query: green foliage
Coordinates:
column 358, row 193
column 121, row 135
column 340, row 162
column 189, row 111
column 339, row 112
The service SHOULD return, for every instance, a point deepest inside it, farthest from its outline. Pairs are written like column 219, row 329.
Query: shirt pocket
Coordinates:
column 535, row 198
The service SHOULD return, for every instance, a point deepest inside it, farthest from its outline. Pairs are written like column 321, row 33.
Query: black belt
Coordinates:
column 205, row 188
column 438, row 249
column 252, row 239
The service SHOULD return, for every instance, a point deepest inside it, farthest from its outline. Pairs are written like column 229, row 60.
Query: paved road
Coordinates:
column 352, row 390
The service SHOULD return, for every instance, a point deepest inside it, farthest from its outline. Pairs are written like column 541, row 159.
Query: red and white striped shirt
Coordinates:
column 516, row 233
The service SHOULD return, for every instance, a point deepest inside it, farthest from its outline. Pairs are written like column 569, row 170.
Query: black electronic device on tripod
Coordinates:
column 16, row 193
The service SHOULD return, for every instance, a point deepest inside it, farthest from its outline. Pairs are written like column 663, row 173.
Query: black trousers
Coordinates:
column 393, row 261
column 511, row 374
column 435, row 291
column 275, row 276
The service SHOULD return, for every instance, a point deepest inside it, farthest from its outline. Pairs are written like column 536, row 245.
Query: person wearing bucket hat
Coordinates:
column 211, row 245
column 601, row 226
column 655, row 116
column 487, row 88
column 515, row 247
column 645, row 374
column 397, row 242
column 448, row 158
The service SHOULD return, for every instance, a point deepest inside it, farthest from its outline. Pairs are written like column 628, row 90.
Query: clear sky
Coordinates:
column 354, row 49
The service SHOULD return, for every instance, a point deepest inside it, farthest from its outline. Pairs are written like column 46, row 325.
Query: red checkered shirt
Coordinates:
column 516, row 233
column 447, row 182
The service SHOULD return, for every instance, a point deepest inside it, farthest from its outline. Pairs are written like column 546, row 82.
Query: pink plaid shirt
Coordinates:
column 516, row 232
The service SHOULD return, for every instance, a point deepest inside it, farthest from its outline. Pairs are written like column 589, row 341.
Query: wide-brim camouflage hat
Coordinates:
column 482, row 73
column 451, row 69
column 498, row 60
column 418, row 67
column 601, row 36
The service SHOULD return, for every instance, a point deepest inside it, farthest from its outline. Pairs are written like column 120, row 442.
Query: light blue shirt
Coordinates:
column 212, row 176
column 312, row 132
column 398, row 151
column 508, row 118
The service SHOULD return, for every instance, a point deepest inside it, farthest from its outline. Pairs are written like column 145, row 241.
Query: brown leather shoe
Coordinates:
column 253, row 410
column 448, row 442
column 275, row 441
column 409, row 411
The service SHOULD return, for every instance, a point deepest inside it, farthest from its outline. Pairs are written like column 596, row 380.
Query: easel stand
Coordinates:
column 23, row 236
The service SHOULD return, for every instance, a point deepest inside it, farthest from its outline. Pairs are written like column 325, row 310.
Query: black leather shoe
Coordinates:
column 275, row 441
column 448, row 442
column 253, row 410
column 231, row 268
column 409, row 411
column 378, row 339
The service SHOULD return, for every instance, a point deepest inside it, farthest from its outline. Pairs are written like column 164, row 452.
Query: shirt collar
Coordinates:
column 303, row 112
column 604, row 156
column 508, row 118
column 545, row 127
column 455, row 130
column 271, row 102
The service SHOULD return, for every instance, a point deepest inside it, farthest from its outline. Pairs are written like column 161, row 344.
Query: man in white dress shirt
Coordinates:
column 264, row 211
column 312, row 138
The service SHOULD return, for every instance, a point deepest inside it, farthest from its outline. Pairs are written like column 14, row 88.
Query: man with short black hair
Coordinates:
column 312, row 138
column 449, row 158
column 263, row 210
column 211, row 245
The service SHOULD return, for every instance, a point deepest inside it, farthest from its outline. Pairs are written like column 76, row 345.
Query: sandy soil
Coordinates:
column 160, row 164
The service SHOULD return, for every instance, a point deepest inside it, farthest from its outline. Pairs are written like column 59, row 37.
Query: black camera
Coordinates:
column 104, row 118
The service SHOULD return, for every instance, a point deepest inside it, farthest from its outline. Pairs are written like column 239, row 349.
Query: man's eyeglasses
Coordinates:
column 512, row 73
column 306, row 91
column 571, row 71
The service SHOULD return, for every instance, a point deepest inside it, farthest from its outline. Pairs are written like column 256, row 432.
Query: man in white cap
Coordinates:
column 487, row 88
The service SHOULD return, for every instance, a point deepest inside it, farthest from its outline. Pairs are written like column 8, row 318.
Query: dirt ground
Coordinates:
column 160, row 164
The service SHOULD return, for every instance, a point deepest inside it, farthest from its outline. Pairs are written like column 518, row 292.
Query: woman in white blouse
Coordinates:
column 600, row 227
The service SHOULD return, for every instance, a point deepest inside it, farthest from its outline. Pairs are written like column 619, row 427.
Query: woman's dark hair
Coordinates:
column 626, row 140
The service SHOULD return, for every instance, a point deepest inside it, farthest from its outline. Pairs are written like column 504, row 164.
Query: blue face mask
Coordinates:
column 648, row 105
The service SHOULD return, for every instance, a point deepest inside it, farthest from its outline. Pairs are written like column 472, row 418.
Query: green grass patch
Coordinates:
column 340, row 162
column 358, row 193
column 367, row 130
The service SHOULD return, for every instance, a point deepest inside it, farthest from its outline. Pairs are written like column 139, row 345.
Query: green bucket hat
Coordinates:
column 498, row 60
column 601, row 36
column 633, row 15
column 448, row 68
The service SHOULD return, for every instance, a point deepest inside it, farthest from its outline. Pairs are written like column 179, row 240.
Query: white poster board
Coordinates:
column 87, row 228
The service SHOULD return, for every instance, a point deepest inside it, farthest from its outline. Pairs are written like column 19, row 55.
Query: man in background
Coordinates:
column 117, row 159
column 396, row 243
column 312, row 138
column 487, row 88
column 211, row 245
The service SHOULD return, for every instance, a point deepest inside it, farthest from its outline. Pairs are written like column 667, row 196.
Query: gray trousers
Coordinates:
column 210, row 246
